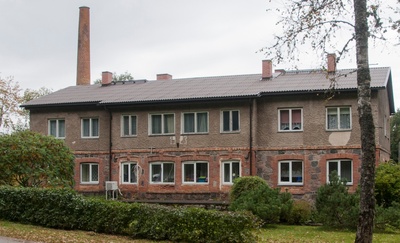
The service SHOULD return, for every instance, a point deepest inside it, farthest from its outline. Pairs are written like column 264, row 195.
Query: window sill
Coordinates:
column 89, row 183
column 338, row 130
column 230, row 132
column 129, row 136
column 284, row 131
column 195, row 133
column 290, row 184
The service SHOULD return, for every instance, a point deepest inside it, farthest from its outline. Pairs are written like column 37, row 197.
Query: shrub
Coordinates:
column 65, row 209
column 335, row 206
column 245, row 184
column 387, row 184
column 300, row 213
column 388, row 218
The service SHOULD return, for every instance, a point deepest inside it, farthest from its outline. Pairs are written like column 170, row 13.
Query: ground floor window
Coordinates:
column 291, row 172
column 162, row 172
column 129, row 172
column 344, row 169
column 195, row 172
column 89, row 173
column 230, row 171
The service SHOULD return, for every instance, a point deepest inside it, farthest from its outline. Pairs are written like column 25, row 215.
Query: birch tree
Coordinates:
column 343, row 27
column 10, row 99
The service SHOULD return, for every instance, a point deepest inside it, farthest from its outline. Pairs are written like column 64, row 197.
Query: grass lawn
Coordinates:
column 273, row 233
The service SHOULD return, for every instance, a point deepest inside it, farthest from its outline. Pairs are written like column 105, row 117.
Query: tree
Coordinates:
column 118, row 77
column 395, row 136
column 324, row 25
column 10, row 100
column 29, row 94
column 31, row 159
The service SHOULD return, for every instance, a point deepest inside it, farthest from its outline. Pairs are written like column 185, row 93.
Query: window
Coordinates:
column 162, row 172
column 89, row 173
column 195, row 172
column 57, row 128
column 162, row 124
column 195, row 122
column 230, row 121
column 290, row 120
column 129, row 172
column 90, row 127
column 128, row 125
column 338, row 118
column 290, row 172
column 343, row 168
column 230, row 171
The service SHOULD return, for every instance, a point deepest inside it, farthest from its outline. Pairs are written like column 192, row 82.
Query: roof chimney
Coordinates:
column 164, row 76
column 83, row 69
column 266, row 69
column 106, row 78
column 331, row 62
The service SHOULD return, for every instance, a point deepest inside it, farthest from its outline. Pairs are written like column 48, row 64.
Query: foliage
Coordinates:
column 335, row 206
column 389, row 217
column 253, row 194
column 387, row 184
column 31, row 159
column 65, row 209
column 9, row 102
column 395, row 135
column 300, row 212
column 118, row 77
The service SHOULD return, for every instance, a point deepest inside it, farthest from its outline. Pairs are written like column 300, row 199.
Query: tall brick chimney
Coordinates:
column 83, row 68
column 266, row 69
column 331, row 62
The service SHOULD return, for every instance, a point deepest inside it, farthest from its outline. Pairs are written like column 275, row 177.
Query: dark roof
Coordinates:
column 207, row 88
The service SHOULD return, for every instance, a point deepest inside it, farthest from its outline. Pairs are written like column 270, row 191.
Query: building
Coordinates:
column 188, row 139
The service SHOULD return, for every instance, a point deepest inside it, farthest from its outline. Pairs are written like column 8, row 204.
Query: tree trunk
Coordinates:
column 367, row 181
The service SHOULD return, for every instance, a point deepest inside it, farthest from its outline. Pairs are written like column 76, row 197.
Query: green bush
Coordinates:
column 65, row 209
column 387, row 184
column 300, row 213
column 335, row 206
column 253, row 194
column 388, row 217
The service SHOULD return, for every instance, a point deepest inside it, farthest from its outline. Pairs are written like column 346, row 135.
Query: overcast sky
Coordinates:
column 184, row 38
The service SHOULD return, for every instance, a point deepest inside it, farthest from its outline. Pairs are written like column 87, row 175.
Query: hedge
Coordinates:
column 65, row 209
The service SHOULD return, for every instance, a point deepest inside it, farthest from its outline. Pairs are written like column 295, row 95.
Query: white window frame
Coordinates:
column 290, row 175
column 90, row 127
column 338, row 108
column 339, row 164
column 196, row 178
column 232, row 176
column 90, row 173
column 130, row 164
column 162, row 124
column 195, row 122
column 131, row 134
column 230, row 121
column 291, row 128
column 161, row 181
column 57, row 135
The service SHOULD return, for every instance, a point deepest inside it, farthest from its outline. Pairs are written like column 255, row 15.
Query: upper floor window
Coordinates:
column 129, row 172
column 195, row 122
column 162, row 172
column 162, row 124
column 230, row 171
column 343, row 168
column 230, row 121
column 290, row 120
column 90, row 127
column 338, row 118
column 195, row 172
column 291, row 172
column 57, row 128
column 90, row 173
column 128, row 125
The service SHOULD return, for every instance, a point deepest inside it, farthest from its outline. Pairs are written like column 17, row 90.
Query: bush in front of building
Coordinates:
column 65, row 209
column 387, row 184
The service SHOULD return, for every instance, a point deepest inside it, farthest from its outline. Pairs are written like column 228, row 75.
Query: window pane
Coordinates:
column 345, row 170
column 133, row 170
column 95, row 173
column 188, row 120
column 344, row 118
column 226, row 121
column 169, row 123
column 156, row 124
column 125, row 172
column 188, row 172
column 235, row 120
column 61, row 128
column 202, row 120
column 126, row 125
column 332, row 118
column 53, row 128
column 297, row 172
column 284, row 119
column 168, row 172
column 332, row 167
column 235, row 170
column 227, row 172
column 296, row 119
column 133, row 125
column 285, row 172
column 95, row 127
column 85, row 172
column 156, row 172
column 202, row 172
column 85, row 127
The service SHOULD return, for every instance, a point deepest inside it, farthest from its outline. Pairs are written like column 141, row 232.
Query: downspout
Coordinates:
column 109, row 143
column 251, row 136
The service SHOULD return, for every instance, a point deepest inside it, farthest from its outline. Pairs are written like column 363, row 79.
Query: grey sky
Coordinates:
column 185, row 38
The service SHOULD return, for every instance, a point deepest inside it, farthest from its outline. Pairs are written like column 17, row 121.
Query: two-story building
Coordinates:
column 190, row 138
